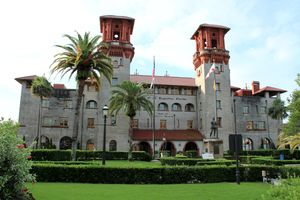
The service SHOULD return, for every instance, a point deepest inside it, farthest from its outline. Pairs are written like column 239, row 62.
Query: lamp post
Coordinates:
column 105, row 112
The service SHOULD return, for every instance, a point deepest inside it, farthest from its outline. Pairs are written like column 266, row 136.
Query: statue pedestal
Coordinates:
column 214, row 146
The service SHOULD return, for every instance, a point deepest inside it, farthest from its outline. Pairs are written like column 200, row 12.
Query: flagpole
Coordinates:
column 153, row 119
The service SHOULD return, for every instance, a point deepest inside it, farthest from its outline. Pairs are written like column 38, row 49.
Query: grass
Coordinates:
column 213, row 191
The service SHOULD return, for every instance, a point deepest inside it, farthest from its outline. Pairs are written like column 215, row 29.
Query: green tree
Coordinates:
column 277, row 110
column 40, row 87
column 84, row 58
column 293, row 125
column 130, row 97
column 14, row 163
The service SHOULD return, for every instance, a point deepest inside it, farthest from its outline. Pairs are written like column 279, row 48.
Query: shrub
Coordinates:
column 193, row 161
column 288, row 190
column 14, row 163
column 272, row 161
column 191, row 154
column 65, row 155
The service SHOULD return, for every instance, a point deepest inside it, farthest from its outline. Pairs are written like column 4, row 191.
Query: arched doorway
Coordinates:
column 191, row 146
column 145, row 146
column 168, row 149
column 45, row 142
column 90, row 145
column 247, row 144
column 65, row 143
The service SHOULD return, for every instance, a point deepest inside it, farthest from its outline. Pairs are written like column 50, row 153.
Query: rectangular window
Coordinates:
column 218, row 104
column 219, row 122
column 200, row 123
column 261, row 125
column 45, row 103
column 178, row 123
column 175, row 91
column 218, row 87
column 263, row 110
column 163, row 124
column 113, row 120
column 249, row 125
column 63, row 122
column 67, row 104
column 189, row 124
column 162, row 90
column 47, row 121
column 135, row 123
column 246, row 109
column 114, row 81
column 91, row 123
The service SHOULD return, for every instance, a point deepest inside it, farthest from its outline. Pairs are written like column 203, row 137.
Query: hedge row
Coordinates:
column 272, row 161
column 157, row 175
column 65, row 155
column 271, row 152
column 196, row 161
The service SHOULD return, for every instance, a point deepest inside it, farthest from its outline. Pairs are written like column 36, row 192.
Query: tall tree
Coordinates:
column 83, row 57
column 293, row 125
column 130, row 97
column 277, row 110
column 40, row 87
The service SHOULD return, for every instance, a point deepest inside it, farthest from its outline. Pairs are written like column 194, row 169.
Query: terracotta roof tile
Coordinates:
column 187, row 135
column 164, row 80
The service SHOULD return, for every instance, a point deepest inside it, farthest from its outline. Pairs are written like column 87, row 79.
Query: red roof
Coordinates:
column 272, row 91
column 187, row 135
column 210, row 26
column 164, row 80
column 59, row 86
column 233, row 88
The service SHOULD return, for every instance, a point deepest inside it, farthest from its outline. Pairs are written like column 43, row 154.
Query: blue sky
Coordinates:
column 264, row 40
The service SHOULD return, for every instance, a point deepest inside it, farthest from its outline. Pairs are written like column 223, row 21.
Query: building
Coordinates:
column 184, row 106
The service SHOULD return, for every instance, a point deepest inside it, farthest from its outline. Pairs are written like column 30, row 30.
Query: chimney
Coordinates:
column 255, row 86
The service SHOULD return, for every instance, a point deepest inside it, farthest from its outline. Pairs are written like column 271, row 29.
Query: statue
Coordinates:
column 214, row 128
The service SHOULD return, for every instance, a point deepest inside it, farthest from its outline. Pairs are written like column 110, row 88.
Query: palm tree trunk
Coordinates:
column 76, row 118
column 130, row 139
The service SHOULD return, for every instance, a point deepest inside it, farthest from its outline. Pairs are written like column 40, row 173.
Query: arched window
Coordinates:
column 65, row 143
column 163, row 107
column 266, row 143
column 189, row 107
column 247, row 144
column 176, row 107
column 113, row 145
column 91, row 104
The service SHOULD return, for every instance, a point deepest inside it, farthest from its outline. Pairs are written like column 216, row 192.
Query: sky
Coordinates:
column 264, row 38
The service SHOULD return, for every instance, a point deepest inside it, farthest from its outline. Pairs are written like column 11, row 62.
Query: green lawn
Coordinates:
column 214, row 191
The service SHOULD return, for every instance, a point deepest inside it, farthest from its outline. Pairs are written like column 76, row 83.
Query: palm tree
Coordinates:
column 42, row 88
column 277, row 110
column 129, row 97
column 84, row 58
column 293, row 141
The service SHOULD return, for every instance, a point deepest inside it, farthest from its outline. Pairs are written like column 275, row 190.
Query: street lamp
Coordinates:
column 105, row 112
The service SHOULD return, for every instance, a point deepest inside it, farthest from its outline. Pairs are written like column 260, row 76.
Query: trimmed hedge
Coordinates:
column 172, row 161
column 155, row 175
column 272, row 161
column 270, row 152
column 65, row 155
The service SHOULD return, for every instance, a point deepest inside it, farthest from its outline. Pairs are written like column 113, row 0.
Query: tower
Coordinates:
column 214, row 91
column 116, row 32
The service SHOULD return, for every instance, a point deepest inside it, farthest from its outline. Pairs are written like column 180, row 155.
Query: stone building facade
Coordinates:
column 184, row 106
